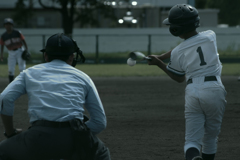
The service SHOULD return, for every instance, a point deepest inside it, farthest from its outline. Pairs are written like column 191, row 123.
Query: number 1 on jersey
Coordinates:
column 199, row 50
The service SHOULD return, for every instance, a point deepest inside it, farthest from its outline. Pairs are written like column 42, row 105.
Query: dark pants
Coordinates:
column 44, row 143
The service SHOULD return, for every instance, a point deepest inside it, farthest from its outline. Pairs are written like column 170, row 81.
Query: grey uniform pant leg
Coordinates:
column 103, row 152
column 45, row 143
column 38, row 143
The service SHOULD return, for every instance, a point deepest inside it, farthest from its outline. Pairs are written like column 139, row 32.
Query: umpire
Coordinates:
column 57, row 94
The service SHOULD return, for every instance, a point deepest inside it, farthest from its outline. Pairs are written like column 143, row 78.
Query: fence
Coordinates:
column 119, row 42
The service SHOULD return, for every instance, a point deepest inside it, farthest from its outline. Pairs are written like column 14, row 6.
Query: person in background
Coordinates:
column 14, row 41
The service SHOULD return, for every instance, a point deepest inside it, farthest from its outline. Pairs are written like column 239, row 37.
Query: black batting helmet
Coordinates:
column 62, row 45
column 182, row 18
column 8, row 21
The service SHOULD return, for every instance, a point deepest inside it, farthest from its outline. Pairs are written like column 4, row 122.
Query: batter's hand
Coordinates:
column 154, row 60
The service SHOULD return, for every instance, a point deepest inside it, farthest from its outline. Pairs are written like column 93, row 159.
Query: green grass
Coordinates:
column 123, row 70
column 229, row 52
column 231, row 69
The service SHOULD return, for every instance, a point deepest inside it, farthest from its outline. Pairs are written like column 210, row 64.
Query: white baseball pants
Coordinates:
column 15, row 57
column 204, row 109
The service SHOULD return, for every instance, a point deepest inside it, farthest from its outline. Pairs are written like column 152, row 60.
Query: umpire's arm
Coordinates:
column 7, row 98
column 93, row 104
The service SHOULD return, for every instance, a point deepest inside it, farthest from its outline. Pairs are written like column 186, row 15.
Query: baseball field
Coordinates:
column 145, row 112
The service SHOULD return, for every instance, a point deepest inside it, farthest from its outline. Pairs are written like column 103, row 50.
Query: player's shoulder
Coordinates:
column 176, row 51
column 17, row 31
column 208, row 33
column 81, row 74
column 36, row 66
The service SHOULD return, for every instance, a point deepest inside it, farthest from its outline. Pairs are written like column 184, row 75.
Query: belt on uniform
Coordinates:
column 15, row 49
column 208, row 78
column 51, row 124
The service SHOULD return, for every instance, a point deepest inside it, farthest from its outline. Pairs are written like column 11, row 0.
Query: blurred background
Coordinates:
column 107, row 30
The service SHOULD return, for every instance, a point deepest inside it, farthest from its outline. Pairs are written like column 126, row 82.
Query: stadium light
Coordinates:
column 134, row 3
column 128, row 17
column 118, row 3
column 128, row 13
column 120, row 21
column 134, row 21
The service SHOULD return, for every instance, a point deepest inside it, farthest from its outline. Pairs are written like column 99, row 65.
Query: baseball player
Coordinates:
column 58, row 94
column 14, row 41
column 196, row 61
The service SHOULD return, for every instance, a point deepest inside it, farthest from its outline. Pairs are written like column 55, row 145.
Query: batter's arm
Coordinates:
column 156, row 61
column 164, row 56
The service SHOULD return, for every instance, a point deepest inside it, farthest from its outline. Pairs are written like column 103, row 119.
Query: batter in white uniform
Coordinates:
column 13, row 40
column 196, row 61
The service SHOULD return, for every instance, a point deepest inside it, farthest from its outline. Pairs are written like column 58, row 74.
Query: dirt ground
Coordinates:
column 146, row 118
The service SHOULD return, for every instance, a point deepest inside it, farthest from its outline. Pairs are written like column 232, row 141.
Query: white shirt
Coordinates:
column 196, row 56
column 56, row 92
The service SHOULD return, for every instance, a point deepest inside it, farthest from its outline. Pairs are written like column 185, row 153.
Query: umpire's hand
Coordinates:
column 12, row 133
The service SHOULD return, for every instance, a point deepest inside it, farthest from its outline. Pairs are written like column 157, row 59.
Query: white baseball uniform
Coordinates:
column 15, row 57
column 13, row 42
column 197, row 58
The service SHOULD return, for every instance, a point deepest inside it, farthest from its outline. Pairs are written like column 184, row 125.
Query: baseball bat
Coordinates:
column 138, row 56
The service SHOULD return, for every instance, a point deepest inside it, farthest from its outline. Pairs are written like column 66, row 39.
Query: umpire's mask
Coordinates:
column 62, row 45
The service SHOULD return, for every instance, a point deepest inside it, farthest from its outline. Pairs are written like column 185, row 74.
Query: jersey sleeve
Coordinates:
column 21, row 35
column 94, row 106
column 12, row 92
column 174, row 64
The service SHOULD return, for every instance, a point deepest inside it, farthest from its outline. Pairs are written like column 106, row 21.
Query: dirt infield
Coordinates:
column 146, row 118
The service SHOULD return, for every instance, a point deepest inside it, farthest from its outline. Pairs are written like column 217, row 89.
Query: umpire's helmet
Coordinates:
column 182, row 18
column 8, row 21
column 61, row 45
